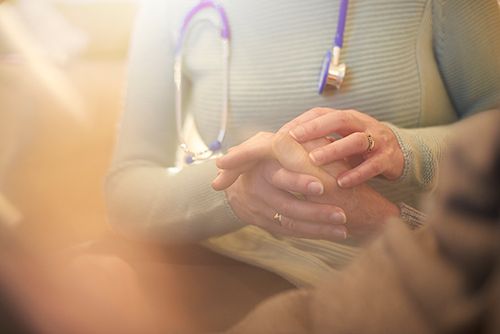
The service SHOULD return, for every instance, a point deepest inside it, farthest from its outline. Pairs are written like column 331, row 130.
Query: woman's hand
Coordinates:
column 365, row 140
column 366, row 210
column 258, row 188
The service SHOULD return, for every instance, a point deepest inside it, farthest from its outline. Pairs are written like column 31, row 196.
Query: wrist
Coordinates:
column 376, row 209
column 396, row 156
column 390, row 210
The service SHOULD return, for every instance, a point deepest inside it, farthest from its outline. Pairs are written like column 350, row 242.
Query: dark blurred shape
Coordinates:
column 12, row 318
column 485, row 201
column 444, row 278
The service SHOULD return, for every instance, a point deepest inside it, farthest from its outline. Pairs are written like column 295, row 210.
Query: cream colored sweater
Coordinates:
column 418, row 64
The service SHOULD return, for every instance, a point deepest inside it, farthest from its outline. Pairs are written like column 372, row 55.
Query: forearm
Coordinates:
column 147, row 201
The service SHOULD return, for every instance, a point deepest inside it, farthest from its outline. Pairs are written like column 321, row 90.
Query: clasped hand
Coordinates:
column 271, row 181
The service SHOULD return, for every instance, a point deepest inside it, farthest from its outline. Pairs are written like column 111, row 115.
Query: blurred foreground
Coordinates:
column 61, row 81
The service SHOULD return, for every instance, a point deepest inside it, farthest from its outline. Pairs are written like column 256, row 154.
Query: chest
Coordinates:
column 277, row 48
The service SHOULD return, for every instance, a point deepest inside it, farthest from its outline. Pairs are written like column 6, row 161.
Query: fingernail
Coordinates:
column 338, row 217
column 316, row 156
column 343, row 182
column 315, row 188
column 298, row 133
column 339, row 233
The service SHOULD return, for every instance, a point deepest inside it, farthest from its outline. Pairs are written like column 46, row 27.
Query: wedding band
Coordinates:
column 277, row 218
column 371, row 142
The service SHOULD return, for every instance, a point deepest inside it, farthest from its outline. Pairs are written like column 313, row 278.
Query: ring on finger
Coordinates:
column 371, row 142
column 277, row 218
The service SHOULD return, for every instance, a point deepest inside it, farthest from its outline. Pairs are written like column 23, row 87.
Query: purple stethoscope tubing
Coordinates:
column 214, row 146
column 204, row 4
column 339, row 35
column 330, row 64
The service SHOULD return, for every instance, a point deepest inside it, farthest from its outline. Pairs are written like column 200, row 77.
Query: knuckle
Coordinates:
column 343, row 117
column 388, row 152
column 318, row 111
column 312, row 126
column 284, row 207
column 289, row 224
column 332, row 150
column 254, row 210
column 286, row 177
column 252, row 190
column 376, row 167
column 299, row 183
column 282, row 180
column 270, row 173
column 263, row 134
column 357, row 176
column 361, row 142
column 324, row 215
column 384, row 138
column 273, row 178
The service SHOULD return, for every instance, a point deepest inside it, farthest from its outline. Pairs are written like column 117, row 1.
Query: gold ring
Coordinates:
column 277, row 218
column 371, row 142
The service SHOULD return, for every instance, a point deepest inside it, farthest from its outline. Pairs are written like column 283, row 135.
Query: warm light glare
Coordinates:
column 32, row 55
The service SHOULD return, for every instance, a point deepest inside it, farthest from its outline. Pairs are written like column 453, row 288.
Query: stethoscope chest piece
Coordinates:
column 332, row 73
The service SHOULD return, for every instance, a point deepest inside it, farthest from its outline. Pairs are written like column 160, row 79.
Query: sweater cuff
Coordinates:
column 230, row 213
column 411, row 216
column 422, row 150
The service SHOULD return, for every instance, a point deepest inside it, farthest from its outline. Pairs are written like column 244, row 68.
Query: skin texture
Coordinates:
column 444, row 278
column 385, row 158
column 361, row 222
column 365, row 209
column 255, row 195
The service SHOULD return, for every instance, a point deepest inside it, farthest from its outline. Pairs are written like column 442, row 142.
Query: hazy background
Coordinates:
column 62, row 68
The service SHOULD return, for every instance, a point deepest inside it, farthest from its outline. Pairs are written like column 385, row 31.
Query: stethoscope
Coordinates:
column 332, row 73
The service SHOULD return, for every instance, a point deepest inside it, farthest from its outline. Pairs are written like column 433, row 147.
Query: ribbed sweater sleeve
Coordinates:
column 466, row 43
column 144, row 198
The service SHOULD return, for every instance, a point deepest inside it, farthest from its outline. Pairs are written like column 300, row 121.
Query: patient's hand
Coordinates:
column 366, row 209
column 247, row 167
column 258, row 187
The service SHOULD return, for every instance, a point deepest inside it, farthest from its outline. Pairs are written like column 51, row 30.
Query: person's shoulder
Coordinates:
column 169, row 8
column 163, row 15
